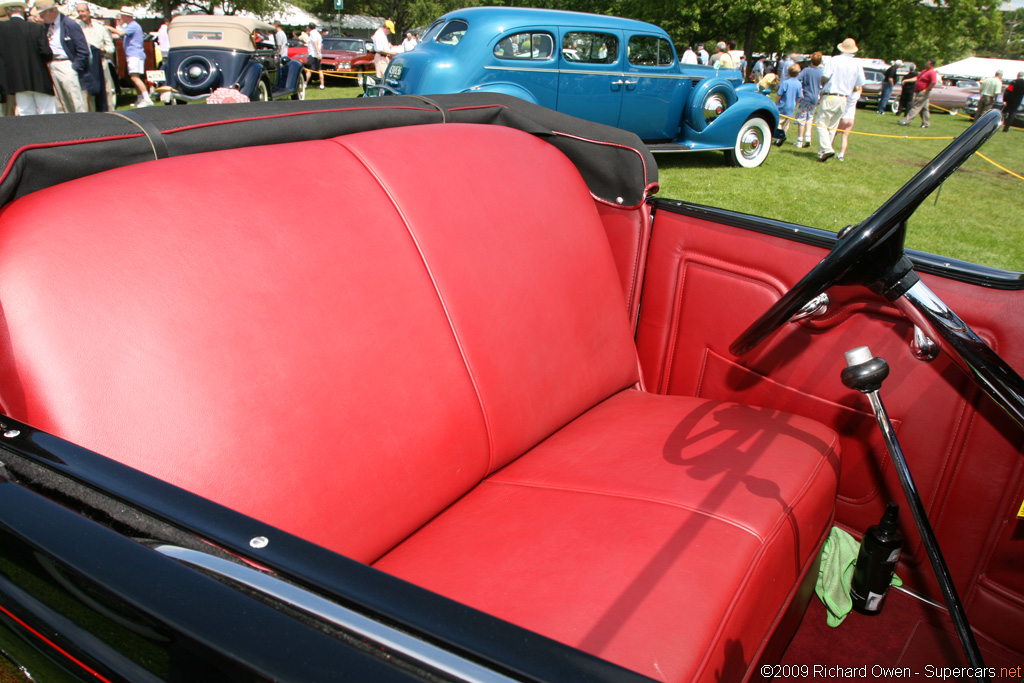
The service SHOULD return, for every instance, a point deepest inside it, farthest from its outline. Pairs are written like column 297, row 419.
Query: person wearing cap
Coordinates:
column 24, row 54
column 135, row 53
column 70, row 64
column 888, row 83
column 314, row 44
column 922, row 96
column 842, row 79
column 383, row 50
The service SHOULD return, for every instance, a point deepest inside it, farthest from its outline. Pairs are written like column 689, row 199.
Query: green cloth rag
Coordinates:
column 838, row 557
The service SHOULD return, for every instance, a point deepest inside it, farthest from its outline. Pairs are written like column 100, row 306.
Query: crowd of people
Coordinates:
column 823, row 94
column 52, row 63
column 383, row 48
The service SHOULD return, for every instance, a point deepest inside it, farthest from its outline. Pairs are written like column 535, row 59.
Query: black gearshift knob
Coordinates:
column 863, row 371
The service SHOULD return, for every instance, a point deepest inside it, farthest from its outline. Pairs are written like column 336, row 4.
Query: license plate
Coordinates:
column 156, row 76
column 395, row 71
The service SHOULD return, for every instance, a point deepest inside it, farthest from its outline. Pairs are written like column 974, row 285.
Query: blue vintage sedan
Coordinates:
column 615, row 71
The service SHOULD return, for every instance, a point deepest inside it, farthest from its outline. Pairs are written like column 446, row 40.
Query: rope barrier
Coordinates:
column 916, row 137
column 1001, row 168
column 343, row 74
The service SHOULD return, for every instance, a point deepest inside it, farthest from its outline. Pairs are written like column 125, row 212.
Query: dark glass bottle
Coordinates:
column 876, row 562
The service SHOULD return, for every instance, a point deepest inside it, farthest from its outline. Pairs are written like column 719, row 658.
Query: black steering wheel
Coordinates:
column 871, row 253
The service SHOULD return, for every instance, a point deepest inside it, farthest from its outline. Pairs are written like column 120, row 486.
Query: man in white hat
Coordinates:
column 383, row 50
column 842, row 78
column 70, row 64
column 24, row 54
column 135, row 54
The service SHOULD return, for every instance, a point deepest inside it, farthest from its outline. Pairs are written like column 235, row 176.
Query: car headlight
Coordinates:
column 714, row 104
column 344, row 66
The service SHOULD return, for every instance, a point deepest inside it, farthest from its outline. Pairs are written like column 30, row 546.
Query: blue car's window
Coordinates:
column 432, row 31
column 590, row 48
column 525, row 46
column 452, row 32
column 650, row 51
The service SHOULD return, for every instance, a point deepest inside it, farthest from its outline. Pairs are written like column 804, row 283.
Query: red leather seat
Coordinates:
column 437, row 379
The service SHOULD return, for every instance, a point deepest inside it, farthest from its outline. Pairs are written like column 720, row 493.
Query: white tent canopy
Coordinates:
column 980, row 67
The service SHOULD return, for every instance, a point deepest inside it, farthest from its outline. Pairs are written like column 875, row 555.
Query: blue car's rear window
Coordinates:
column 452, row 32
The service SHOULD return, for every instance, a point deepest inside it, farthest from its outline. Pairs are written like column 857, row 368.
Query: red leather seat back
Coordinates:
column 340, row 366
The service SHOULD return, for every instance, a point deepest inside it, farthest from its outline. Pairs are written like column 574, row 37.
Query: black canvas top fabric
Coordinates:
column 41, row 151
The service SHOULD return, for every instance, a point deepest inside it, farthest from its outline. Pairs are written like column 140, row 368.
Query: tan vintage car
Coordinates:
column 210, row 52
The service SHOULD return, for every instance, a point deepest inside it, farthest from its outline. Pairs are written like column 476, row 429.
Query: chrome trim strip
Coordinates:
column 415, row 649
column 967, row 350
column 618, row 74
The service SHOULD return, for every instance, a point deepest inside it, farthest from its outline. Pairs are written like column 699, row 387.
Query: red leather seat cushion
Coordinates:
column 666, row 534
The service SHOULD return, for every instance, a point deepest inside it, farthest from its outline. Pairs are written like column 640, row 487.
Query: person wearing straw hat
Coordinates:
column 70, row 64
column 841, row 79
column 135, row 53
column 24, row 54
column 383, row 50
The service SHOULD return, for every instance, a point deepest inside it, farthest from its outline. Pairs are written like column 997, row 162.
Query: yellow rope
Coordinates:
column 342, row 74
column 1001, row 168
column 915, row 137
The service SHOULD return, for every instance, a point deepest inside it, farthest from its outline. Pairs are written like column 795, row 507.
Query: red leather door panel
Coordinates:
column 706, row 281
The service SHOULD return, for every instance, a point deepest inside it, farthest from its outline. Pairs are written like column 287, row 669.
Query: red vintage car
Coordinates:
column 509, row 416
column 350, row 58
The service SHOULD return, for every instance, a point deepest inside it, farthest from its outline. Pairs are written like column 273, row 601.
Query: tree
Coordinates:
column 264, row 8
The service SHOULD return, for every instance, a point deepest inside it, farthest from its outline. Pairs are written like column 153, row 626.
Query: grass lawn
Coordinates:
column 976, row 216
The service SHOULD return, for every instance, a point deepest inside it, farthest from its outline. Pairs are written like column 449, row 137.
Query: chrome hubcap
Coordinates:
column 751, row 143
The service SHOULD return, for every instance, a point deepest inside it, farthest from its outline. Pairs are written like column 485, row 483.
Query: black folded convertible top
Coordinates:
column 40, row 151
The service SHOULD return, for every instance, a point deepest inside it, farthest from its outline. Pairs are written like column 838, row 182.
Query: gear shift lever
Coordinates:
column 865, row 373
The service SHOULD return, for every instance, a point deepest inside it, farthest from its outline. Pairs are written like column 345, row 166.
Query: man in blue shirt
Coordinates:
column 135, row 54
column 810, row 81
